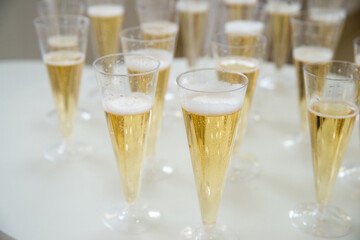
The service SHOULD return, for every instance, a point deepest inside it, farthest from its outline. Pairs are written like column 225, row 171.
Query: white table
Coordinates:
column 44, row 200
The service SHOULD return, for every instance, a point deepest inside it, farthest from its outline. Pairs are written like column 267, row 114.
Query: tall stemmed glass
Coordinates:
column 211, row 100
column 230, row 53
column 278, row 33
column 106, row 17
column 160, row 20
column 332, row 98
column 313, row 41
column 350, row 170
column 64, row 68
column 128, row 84
column 60, row 7
column 142, row 40
column 195, row 27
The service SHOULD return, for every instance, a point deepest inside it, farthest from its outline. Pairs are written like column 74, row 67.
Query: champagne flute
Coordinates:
column 106, row 17
column 158, row 16
column 350, row 171
column 230, row 53
column 142, row 40
column 278, row 33
column 313, row 41
column 211, row 100
column 332, row 98
column 106, row 20
column 195, row 21
column 64, row 68
column 59, row 7
column 128, row 84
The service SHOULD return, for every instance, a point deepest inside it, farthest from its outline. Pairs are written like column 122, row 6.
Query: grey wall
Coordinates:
column 18, row 38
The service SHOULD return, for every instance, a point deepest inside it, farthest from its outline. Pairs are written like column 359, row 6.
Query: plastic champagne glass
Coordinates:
column 332, row 93
column 64, row 66
column 128, row 84
column 211, row 100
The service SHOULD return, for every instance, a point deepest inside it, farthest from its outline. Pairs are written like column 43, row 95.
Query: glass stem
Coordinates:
column 130, row 208
column 209, row 229
column 65, row 147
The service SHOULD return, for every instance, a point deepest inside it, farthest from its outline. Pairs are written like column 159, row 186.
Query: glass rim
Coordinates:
column 98, row 70
column 44, row 20
column 262, row 41
column 170, row 5
column 178, row 78
column 331, row 78
column 300, row 19
column 123, row 32
column 357, row 41
column 44, row 3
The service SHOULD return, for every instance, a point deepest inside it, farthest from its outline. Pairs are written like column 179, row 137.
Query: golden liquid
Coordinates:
column 240, row 9
column 165, row 59
column 160, row 30
column 250, row 68
column 128, row 136
column 62, row 43
column 106, row 22
column 64, row 70
column 357, row 59
column 302, row 56
column 331, row 124
column 280, row 32
column 192, row 24
column 210, row 139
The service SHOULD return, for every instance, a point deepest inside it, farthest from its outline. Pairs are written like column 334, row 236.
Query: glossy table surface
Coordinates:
column 45, row 200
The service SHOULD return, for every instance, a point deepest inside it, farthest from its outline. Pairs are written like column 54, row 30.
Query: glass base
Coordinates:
column 52, row 117
column 328, row 222
column 207, row 233
column 133, row 221
column 157, row 170
column 243, row 167
column 63, row 152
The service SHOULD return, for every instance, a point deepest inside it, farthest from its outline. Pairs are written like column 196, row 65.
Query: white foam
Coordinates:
column 160, row 27
column 64, row 58
column 213, row 104
column 163, row 56
column 105, row 10
column 192, row 6
column 134, row 103
column 313, row 54
column 240, row 2
column 140, row 64
column 63, row 41
column 330, row 16
column 283, row 7
column 244, row 27
column 249, row 64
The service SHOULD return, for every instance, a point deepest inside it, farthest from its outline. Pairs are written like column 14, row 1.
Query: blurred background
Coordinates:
column 18, row 38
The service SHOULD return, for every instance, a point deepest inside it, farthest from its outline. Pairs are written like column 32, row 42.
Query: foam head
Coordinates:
column 313, row 54
column 163, row 56
column 134, row 103
column 244, row 27
column 160, row 28
column 192, row 6
column 105, row 10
